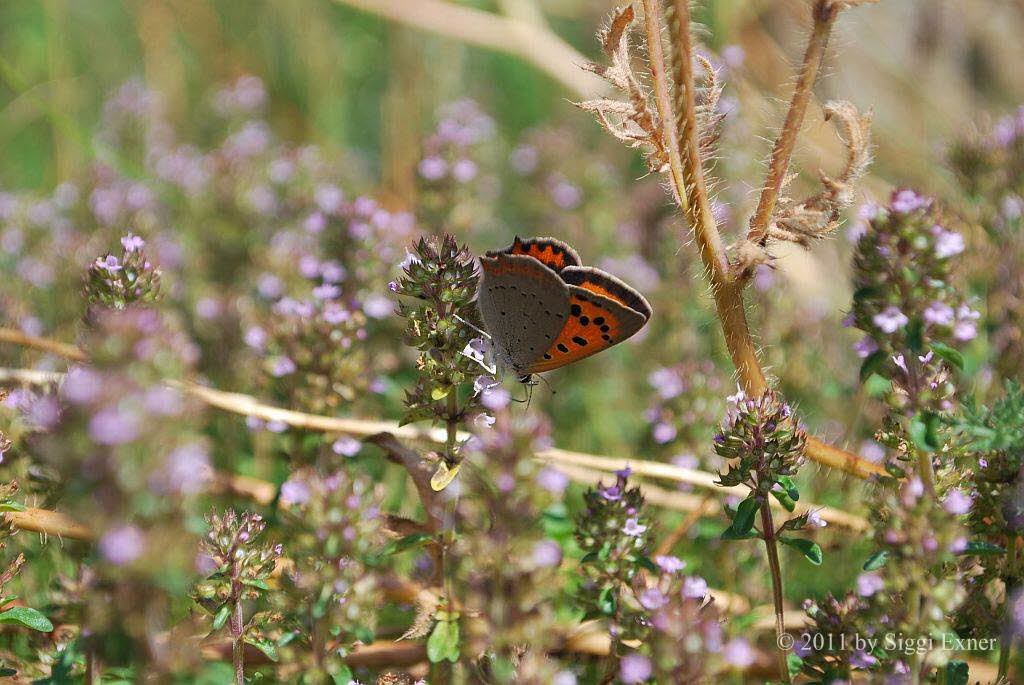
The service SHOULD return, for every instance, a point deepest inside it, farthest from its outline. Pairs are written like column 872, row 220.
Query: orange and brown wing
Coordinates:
column 603, row 283
column 595, row 323
column 550, row 252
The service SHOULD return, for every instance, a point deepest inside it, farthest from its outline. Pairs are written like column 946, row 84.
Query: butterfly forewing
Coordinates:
column 524, row 305
column 595, row 323
column 603, row 283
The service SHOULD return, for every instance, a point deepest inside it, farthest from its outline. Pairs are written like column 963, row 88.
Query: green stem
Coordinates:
column 237, row 626
column 1012, row 582
column 926, row 471
column 452, row 422
column 914, row 612
column 768, row 531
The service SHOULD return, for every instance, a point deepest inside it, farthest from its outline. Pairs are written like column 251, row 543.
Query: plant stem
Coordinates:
column 927, row 471
column 704, row 225
column 452, row 423
column 914, row 612
column 825, row 12
column 237, row 624
column 1011, row 580
column 768, row 531
column 659, row 78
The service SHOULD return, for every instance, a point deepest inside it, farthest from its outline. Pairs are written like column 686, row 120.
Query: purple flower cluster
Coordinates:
column 905, row 298
column 449, row 152
column 687, row 401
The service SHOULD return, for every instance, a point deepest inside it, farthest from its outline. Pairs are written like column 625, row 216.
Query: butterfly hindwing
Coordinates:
column 524, row 305
column 603, row 283
column 595, row 323
column 551, row 252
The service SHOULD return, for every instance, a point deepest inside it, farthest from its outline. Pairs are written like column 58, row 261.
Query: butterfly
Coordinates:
column 544, row 310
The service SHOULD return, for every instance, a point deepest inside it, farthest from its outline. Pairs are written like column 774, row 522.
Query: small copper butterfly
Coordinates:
column 543, row 310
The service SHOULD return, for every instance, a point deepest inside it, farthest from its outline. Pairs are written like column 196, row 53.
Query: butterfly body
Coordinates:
column 544, row 310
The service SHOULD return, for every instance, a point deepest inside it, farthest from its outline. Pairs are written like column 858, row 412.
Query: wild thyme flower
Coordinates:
column 122, row 455
column 764, row 438
column 989, row 168
column 333, row 527
column 681, row 627
column 443, row 281
column 118, row 282
column 614, row 534
column 687, row 403
column 512, row 565
column 241, row 566
column 906, row 302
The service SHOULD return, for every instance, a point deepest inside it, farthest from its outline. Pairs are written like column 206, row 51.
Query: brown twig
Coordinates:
column 663, row 101
column 730, row 307
column 419, row 471
column 825, row 13
column 13, row 335
column 49, row 523
column 704, row 225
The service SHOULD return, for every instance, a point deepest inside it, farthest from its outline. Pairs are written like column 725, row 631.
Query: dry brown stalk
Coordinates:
column 13, row 335
column 529, row 40
column 49, row 523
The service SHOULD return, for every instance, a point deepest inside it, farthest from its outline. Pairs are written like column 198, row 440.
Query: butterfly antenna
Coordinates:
column 547, row 383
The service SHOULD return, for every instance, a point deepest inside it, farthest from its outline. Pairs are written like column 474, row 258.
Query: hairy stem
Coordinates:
column 704, row 225
column 662, row 98
column 825, row 12
column 775, row 568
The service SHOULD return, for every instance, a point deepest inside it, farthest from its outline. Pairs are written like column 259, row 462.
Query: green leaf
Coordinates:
column 787, row 484
column 980, row 547
column 221, row 618
column 923, row 431
column 12, row 506
column 344, row 676
column 255, row 582
column 440, row 392
column 811, row 550
column 647, row 564
column 785, row 500
column 728, row 534
column 265, row 646
column 743, row 521
column 957, row 673
column 443, row 642
column 951, row 355
column 794, row 663
column 453, row 643
column 876, row 560
column 28, row 617
column 404, row 543
column 873, row 362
